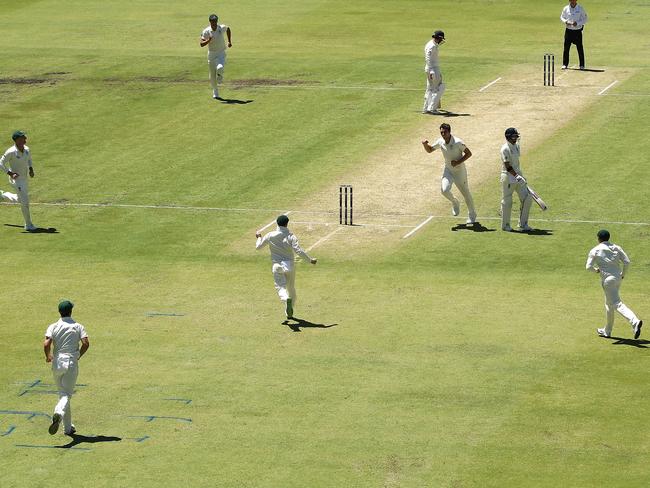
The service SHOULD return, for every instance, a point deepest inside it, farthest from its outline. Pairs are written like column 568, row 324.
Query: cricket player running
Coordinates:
column 611, row 262
column 455, row 153
column 212, row 36
column 16, row 162
column 435, row 86
column 283, row 244
column 66, row 335
column 513, row 180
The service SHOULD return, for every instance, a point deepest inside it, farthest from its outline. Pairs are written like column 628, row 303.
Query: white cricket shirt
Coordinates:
column 283, row 244
column 16, row 161
column 66, row 334
column 608, row 258
column 452, row 151
column 510, row 153
column 217, row 44
column 430, row 55
column 576, row 14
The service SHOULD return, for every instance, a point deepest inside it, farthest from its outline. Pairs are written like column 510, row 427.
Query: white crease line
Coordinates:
column 272, row 222
column 418, row 227
column 607, row 87
column 489, row 84
column 313, row 212
column 323, row 239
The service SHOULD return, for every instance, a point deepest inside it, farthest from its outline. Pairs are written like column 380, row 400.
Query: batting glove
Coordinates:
column 520, row 179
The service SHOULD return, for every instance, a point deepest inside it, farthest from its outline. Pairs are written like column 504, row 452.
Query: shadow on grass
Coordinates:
column 233, row 101
column 587, row 69
column 295, row 324
column 37, row 230
column 534, row 232
column 83, row 439
column 620, row 341
column 475, row 227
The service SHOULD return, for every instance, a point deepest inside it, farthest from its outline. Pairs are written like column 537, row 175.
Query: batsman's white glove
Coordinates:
column 520, row 179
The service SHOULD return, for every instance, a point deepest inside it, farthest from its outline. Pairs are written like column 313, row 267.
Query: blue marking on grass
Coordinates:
column 163, row 314
column 53, row 447
column 139, row 439
column 39, row 383
column 184, row 400
column 11, row 429
column 151, row 418
column 30, row 415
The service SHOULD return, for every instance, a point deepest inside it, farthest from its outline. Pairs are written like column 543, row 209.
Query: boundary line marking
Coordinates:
column 489, row 84
column 607, row 87
column 429, row 219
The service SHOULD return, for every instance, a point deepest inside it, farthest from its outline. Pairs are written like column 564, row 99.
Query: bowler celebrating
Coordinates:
column 455, row 153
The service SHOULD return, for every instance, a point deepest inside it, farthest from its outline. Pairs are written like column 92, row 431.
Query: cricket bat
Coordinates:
column 537, row 199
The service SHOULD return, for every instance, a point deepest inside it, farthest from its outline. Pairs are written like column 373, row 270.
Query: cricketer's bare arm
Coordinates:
column 47, row 347
column 427, row 147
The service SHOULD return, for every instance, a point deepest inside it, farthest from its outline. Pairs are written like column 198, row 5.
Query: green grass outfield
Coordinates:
column 454, row 359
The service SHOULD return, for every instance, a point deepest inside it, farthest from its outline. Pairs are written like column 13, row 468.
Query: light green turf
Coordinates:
column 456, row 359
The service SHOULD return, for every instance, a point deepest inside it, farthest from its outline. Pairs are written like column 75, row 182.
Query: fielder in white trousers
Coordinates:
column 65, row 335
column 283, row 245
column 213, row 37
column 435, row 86
column 16, row 162
column 611, row 262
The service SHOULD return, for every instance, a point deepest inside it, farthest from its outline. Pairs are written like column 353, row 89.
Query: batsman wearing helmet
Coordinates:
column 513, row 180
column 435, row 86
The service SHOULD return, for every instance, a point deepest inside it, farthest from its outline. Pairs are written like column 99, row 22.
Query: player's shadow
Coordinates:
column 295, row 324
column 620, row 341
column 534, row 232
column 38, row 230
column 475, row 227
column 233, row 101
column 447, row 113
column 588, row 69
column 87, row 439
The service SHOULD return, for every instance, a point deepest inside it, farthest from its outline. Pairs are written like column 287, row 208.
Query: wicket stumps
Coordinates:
column 549, row 69
column 344, row 190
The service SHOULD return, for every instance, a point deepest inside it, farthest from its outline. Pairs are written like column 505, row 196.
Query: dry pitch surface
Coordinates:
column 397, row 188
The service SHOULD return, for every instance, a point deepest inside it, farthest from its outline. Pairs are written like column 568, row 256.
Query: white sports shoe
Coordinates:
column 507, row 228
column 215, row 94
column 602, row 333
column 455, row 208
column 30, row 227
column 12, row 197
column 525, row 228
column 471, row 218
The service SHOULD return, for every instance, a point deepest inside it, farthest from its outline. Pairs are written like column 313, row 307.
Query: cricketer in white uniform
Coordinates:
column 455, row 153
column 16, row 162
column 611, row 262
column 513, row 180
column 283, row 245
column 435, row 86
column 66, row 335
column 212, row 36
